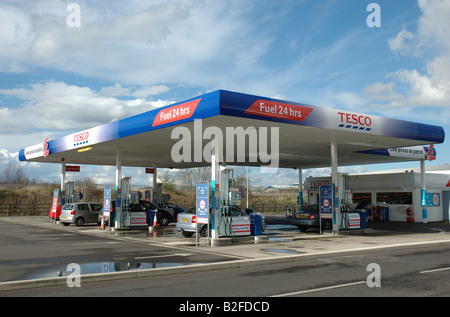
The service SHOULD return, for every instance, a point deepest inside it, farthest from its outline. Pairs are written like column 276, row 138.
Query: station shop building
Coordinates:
column 392, row 195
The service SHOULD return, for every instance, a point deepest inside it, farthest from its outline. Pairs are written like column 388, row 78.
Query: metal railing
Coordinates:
column 24, row 209
column 271, row 208
column 43, row 209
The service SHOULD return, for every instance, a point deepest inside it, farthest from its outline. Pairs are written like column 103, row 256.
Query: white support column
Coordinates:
column 215, row 195
column 246, row 194
column 423, row 191
column 335, row 181
column 118, row 217
column 300, row 188
column 63, row 182
column 154, row 184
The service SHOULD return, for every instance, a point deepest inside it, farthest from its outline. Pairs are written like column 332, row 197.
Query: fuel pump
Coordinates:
column 157, row 199
column 122, row 202
column 69, row 192
column 345, row 220
column 130, row 215
column 75, row 191
column 226, row 202
column 126, row 186
column 349, row 219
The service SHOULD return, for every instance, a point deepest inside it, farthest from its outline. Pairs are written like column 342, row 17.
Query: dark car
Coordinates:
column 309, row 218
column 177, row 209
column 163, row 216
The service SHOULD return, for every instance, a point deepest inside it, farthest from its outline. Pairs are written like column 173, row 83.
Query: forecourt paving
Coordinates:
column 278, row 247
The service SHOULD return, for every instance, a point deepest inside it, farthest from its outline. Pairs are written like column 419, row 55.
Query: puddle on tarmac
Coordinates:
column 281, row 251
column 96, row 267
column 274, row 239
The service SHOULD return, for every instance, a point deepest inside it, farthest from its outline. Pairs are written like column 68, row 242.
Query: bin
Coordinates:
column 385, row 213
column 362, row 215
column 151, row 214
column 255, row 224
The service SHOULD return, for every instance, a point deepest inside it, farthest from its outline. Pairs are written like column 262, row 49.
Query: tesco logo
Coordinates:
column 319, row 183
column 355, row 119
column 80, row 137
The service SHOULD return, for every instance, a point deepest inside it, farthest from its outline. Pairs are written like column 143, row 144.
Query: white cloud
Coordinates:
column 399, row 44
column 16, row 36
column 424, row 90
column 114, row 91
column 348, row 100
column 59, row 106
column 5, row 154
column 147, row 43
column 434, row 24
column 150, row 91
column 428, row 87
column 142, row 92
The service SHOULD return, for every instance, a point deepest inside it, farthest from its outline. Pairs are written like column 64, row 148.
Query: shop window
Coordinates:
column 362, row 198
column 395, row 198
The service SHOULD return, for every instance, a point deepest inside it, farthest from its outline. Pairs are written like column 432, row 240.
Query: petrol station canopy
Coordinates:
column 305, row 133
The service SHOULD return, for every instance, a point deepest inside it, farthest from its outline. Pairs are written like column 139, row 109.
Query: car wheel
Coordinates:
column 187, row 234
column 65, row 224
column 204, row 231
column 164, row 221
column 326, row 225
column 79, row 222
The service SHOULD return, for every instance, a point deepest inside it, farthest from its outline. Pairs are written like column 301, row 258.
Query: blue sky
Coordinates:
column 129, row 57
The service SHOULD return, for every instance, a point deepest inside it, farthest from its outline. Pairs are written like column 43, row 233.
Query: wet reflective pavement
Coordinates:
column 99, row 251
column 167, row 236
column 94, row 268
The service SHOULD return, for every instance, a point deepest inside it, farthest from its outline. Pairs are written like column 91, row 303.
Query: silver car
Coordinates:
column 80, row 213
column 187, row 222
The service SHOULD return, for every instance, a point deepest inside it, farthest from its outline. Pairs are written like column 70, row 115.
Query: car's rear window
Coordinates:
column 190, row 211
column 68, row 207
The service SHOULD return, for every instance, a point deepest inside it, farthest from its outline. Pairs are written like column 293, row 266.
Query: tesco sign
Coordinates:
column 80, row 137
column 355, row 119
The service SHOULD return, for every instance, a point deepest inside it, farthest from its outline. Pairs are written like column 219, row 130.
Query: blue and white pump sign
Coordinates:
column 107, row 201
column 326, row 201
column 202, row 206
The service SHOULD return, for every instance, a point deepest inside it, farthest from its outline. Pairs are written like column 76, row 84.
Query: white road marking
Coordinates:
column 435, row 270
column 319, row 289
column 87, row 243
column 161, row 256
